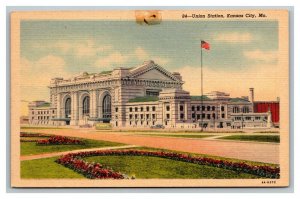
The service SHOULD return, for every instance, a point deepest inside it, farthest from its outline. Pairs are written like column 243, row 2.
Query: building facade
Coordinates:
column 141, row 97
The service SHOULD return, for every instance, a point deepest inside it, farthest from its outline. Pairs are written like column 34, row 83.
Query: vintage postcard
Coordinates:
column 150, row 98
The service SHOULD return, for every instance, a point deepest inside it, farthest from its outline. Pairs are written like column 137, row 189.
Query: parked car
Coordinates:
column 157, row 126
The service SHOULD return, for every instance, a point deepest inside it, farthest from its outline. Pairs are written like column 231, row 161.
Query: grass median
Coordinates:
column 31, row 148
column 254, row 138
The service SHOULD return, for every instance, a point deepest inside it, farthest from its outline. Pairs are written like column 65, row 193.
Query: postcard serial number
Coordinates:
column 268, row 182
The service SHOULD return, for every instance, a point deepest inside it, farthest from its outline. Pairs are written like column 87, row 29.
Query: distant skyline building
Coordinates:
column 142, row 97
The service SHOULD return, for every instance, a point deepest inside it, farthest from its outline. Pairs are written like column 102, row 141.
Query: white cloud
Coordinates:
column 161, row 60
column 264, row 78
column 36, row 76
column 141, row 54
column 111, row 59
column 89, row 48
column 234, row 37
column 264, row 56
column 80, row 48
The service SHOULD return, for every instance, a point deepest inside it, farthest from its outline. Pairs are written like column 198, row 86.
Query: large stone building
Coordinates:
column 142, row 96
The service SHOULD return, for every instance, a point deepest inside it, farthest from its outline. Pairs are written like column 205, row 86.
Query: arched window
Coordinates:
column 107, row 106
column 86, row 105
column 68, row 107
column 236, row 109
column 245, row 109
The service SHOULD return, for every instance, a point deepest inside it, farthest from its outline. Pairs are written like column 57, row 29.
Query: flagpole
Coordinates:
column 201, row 89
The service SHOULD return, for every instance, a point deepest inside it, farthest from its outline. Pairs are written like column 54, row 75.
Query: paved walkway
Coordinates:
column 252, row 151
column 49, row 155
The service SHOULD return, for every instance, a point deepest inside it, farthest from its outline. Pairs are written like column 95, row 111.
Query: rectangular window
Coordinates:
column 193, row 115
column 142, row 108
column 198, row 116
column 116, row 109
column 130, row 116
column 208, row 116
column 136, row 116
column 181, row 116
column 142, row 116
column 147, row 116
column 181, row 107
column 168, row 108
column 168, row 116
column 198, row 108
column 130, row 109
column 203, row 115
column 136, row 109
column 223, row 115
column 153, row 116
column 153, row 108
column 193, row 108
column 147, row 108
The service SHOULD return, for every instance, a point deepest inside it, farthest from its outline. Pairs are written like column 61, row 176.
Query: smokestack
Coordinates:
column 251, row 95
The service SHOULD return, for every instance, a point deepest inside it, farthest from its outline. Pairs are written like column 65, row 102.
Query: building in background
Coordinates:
column 142, row 97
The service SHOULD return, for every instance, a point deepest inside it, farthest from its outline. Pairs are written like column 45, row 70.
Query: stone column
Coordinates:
column 75, row 108
column 58, row 105
column 186, row 111
column 93, row 103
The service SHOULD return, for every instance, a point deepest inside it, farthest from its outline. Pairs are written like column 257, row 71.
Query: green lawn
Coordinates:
column 30, row 148
column 182, row 136
column 143, row 167
column 255, row 138
column 46, row 168
column 139, row 166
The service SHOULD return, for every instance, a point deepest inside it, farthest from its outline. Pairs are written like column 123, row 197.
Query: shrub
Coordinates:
column 59, row 140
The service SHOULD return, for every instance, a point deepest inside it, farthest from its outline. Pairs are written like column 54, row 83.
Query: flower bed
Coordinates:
column 89, row 170
column 95, row 170
column 59, row 140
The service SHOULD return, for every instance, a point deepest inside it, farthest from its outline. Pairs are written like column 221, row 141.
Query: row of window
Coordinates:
column 206, row 116
column 136, row 109
column 141, row 116
column 42, row 117
column 141, row 123
column 42, row 112
column 208, row 108
column 238, row 118
column 244, row 109
column 198, row 108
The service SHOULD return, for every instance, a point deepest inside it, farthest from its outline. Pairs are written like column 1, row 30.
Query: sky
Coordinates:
column 242, row 54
